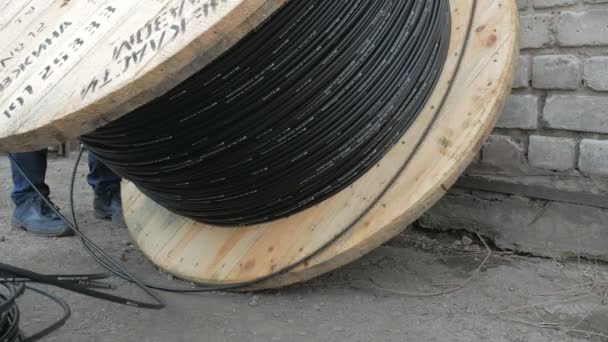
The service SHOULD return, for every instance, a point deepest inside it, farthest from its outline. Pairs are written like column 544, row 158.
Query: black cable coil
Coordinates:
column 14, row 282
column 295, row 112
column 9, row 312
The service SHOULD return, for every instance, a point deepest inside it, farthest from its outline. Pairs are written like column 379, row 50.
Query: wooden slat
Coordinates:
column 68, row 67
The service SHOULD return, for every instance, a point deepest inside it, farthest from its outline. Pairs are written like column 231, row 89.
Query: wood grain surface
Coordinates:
column 70, row 66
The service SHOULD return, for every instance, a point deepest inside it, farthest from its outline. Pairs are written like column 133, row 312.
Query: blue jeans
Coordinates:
column 34, row 165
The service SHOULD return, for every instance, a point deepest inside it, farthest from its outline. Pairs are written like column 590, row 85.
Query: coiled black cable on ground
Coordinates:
column 294, row 113
column 10, row 314
column 14, row 284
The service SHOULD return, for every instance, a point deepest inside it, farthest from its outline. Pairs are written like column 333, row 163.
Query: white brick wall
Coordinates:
column 548, row 156
column 593, row 156
column 549, row 153
column 557, row 116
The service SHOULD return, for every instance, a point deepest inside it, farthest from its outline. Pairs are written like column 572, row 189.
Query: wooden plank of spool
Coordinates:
column 413, row 176
column 68, row 67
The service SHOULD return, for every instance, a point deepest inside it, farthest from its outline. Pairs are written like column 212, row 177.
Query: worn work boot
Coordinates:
column 108, row 205
column 36, row 217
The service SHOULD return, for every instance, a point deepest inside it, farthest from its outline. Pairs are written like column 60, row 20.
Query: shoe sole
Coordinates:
column 101, row 216
column 18, row 225
column 105, row 217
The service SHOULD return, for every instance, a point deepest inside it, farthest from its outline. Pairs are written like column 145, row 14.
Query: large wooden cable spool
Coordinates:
column 80, row 80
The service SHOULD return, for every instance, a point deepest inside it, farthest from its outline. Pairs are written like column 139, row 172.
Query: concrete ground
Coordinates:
column 509, row 298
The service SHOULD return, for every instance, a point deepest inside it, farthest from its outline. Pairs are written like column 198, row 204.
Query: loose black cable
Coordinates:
column 295, row 112
column 14, row 280
column 70, row 284
column 9, row 312
column 67, row 312
column 15, row 283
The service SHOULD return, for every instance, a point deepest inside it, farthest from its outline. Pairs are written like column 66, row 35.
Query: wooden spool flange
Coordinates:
column 413, row 176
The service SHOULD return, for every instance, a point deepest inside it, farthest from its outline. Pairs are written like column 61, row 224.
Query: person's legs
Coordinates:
column 101, row 177
column 106, row 186
column 31, row 212
column 34, row 165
